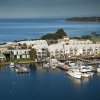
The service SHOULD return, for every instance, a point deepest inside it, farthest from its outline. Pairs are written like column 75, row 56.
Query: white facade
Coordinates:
column 60, row 50
column 35, row 42
column 20, row 53
column 79, row 42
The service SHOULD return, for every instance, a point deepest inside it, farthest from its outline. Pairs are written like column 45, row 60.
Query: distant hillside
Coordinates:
column 84, row 19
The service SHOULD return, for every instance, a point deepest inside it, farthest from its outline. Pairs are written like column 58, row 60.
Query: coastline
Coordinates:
column 20, row 62
column 84, row 19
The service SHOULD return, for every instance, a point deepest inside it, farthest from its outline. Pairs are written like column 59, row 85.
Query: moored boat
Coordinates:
column 22, row 70
column 53, row 63
column 12, row 65
column 98, row 69
column 46, row 65
column 75, row 73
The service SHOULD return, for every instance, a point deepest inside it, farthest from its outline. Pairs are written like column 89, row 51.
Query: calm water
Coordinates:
column 43, row 84
column 16, row 29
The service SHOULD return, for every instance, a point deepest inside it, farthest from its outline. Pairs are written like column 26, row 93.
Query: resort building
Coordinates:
column 4, row 48
column 41, row 51
column 64, row 40
column 35, row 42
column 61, row 50
column 79, row 42
column 20, row 53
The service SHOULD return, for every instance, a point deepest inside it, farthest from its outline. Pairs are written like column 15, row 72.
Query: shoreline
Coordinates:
column 23, row 62
column 4, row 63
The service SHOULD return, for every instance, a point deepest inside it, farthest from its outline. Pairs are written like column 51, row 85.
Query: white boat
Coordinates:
column 22, row 70
column 12, row 65
column 70, row 63
column 85, row 69
column 53, row 66
column 91, row 73
column 87, row 75
column 53, row 63
column 46, row 65
column 61, row 64
column 98, row 69
column 75, row 73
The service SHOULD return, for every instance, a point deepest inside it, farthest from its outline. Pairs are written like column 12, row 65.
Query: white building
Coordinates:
column 20, row 53
column 35, row 42
column 68, row 41
column 60, row 50
column 79, row 42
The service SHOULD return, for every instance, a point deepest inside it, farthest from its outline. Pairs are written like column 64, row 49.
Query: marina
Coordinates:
column 28, row 87
column 49, row 50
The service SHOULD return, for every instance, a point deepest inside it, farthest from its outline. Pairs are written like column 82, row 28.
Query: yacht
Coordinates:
column 70, row 63
column 98, row 69
column 75, row 73
column 87, row 75
column 61, row 64
column 53, row 63
column 85, row 69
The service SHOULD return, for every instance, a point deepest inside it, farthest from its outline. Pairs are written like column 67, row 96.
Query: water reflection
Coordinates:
column 98, row 74
column 78, row 82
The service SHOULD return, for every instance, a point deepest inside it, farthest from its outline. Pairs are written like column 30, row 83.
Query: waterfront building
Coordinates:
column 73, row 47
column 68, row 41
column 20, row 53
column 64, row 40
column 33, row 43
column 79, row 42
column 41, row 51
column 61, row 50
column 4, row 48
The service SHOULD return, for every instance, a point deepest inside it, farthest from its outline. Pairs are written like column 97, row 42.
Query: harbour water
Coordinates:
column 46, row 84
column 17, row 29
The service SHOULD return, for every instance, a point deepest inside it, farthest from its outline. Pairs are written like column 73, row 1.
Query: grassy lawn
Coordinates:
column 4, row 63
column 97, row 38
column 22, row 60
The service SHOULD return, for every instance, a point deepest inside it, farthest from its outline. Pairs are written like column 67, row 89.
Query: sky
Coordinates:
column 48, row 8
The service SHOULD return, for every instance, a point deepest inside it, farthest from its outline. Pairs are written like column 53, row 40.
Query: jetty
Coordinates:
column 63, row 67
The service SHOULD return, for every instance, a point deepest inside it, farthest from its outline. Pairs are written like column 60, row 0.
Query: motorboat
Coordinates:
column 46, row 65
column 53, row 63
column 61, row 64
column 87, row 75
column 53, row 66
column 85, row 69
column 22, row 70
column 75, row 73
column 91, row 73
column 98, row 69
column 12, row 65
column 70, row 63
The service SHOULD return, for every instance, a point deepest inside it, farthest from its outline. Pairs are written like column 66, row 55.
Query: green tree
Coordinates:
column 86, row 37
column 33, row 54
column 57, row 35
column 49, row 36
column 60, row 33
column 93, row 34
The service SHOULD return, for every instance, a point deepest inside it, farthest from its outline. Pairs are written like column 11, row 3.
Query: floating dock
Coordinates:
column 63, row 68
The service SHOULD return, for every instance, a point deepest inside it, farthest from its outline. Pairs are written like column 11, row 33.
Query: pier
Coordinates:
column 63, row 68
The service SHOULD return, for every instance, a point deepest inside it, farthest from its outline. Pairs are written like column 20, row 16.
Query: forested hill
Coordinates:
column 84, row 19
